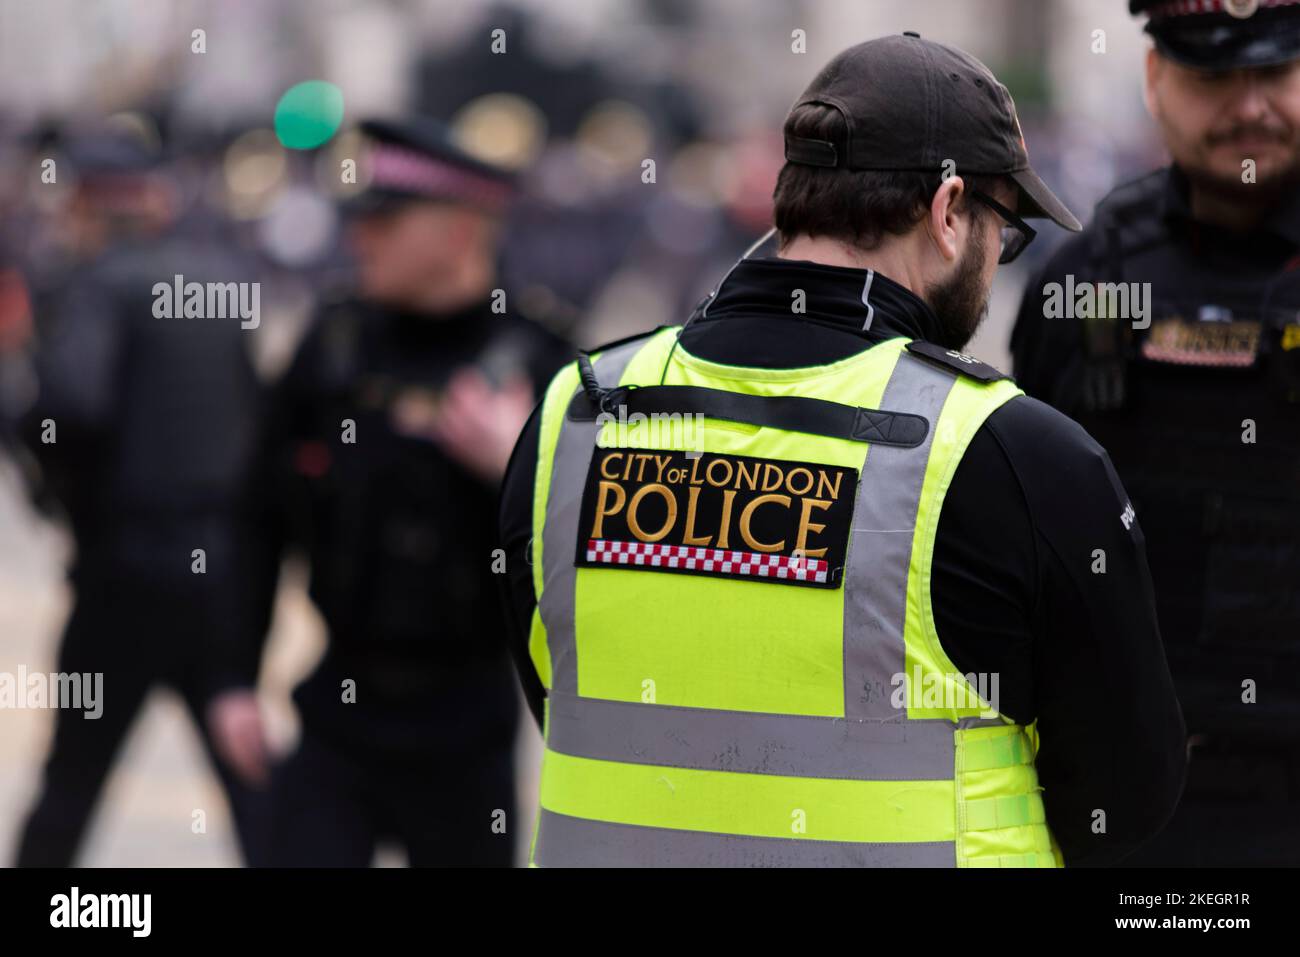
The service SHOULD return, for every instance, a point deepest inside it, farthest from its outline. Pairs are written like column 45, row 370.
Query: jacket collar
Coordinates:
column 856, row 300
column 1283, row 222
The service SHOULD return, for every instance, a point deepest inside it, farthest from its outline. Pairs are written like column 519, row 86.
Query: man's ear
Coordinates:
column 943, row 223
column 1154, row 65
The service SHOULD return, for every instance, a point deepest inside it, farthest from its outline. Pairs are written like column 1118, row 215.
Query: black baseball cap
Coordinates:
column 1217, row 35
column 912, row 104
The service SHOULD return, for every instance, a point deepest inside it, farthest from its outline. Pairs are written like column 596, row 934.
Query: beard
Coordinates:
column 962, row 302
column 1264, row 193
column 1267, row 188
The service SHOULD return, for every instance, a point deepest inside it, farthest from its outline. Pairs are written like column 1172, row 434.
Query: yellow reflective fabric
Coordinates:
column 1000, row 815
column 537, row 649
column 968, row 405
column 764, row 805
column 554, row 404
column 659, row 647
column 751, row 647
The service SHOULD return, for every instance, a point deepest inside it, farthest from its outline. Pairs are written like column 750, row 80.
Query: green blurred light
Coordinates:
column 308, row 114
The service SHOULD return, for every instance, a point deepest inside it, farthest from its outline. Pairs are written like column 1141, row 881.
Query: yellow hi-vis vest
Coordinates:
column 736, row 633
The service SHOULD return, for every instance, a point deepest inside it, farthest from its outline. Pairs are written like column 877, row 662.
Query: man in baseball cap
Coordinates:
column 897, row 124
column 917, row 517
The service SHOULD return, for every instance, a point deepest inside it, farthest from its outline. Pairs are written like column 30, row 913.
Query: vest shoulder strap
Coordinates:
column 968, row 366
column 1128, row 220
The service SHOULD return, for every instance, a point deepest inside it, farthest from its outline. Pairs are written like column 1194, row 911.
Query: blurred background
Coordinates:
column 586, row 90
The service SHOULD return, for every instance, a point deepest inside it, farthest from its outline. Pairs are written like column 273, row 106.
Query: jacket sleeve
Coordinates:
column 1112, row 757
column 267, row 512
column 516, row 534
column 78, row 362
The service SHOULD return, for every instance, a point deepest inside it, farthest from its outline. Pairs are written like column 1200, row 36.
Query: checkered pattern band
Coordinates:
column 395, row 167
column 719, row 560
column 1181, row 8
column 1196, row 357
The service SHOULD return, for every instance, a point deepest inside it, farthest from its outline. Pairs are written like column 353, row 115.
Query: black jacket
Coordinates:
column 398, row 534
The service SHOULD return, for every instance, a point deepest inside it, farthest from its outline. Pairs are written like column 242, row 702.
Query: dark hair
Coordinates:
column 856, row 206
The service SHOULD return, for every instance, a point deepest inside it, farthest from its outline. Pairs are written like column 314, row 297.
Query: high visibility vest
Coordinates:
column 736, row 633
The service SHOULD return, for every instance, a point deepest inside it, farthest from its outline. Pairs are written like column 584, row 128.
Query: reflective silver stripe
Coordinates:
column 866, row 300
column 751, row 742
column 880, row 544
column 573, row 451
column 564, row 841
column 965, row 724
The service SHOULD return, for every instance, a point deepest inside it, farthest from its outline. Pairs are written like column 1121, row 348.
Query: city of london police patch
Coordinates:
column 732, row 516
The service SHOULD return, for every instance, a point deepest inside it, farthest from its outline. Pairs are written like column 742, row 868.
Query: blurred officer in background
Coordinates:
column 751, row 649
column 144, row 430
column 1196, row 396
column 389, row 435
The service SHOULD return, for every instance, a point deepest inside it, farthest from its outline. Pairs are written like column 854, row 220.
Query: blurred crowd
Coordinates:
column 162, row 429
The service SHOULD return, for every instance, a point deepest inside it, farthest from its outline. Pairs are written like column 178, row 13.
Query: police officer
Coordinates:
column 144, row 429
column 1187, row 371
column 857, row 617
column 389, row 435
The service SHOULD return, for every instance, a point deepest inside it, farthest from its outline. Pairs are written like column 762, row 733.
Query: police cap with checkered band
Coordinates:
column 1218, row 35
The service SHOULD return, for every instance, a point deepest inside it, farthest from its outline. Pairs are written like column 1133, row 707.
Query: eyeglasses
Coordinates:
column 1015, row 236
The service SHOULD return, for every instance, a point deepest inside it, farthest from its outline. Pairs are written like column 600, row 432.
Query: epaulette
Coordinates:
column 968, row 366
column 1128, row 218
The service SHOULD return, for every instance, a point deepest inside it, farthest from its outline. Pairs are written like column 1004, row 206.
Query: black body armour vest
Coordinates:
column 1200, row 412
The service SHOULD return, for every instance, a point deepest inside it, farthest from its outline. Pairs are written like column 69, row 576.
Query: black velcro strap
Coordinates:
column 966, row 365
column 789, row 413
column 808, row 152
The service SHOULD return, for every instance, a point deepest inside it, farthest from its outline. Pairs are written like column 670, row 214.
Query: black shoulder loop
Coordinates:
column 1127, row 220
column 966, row 365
